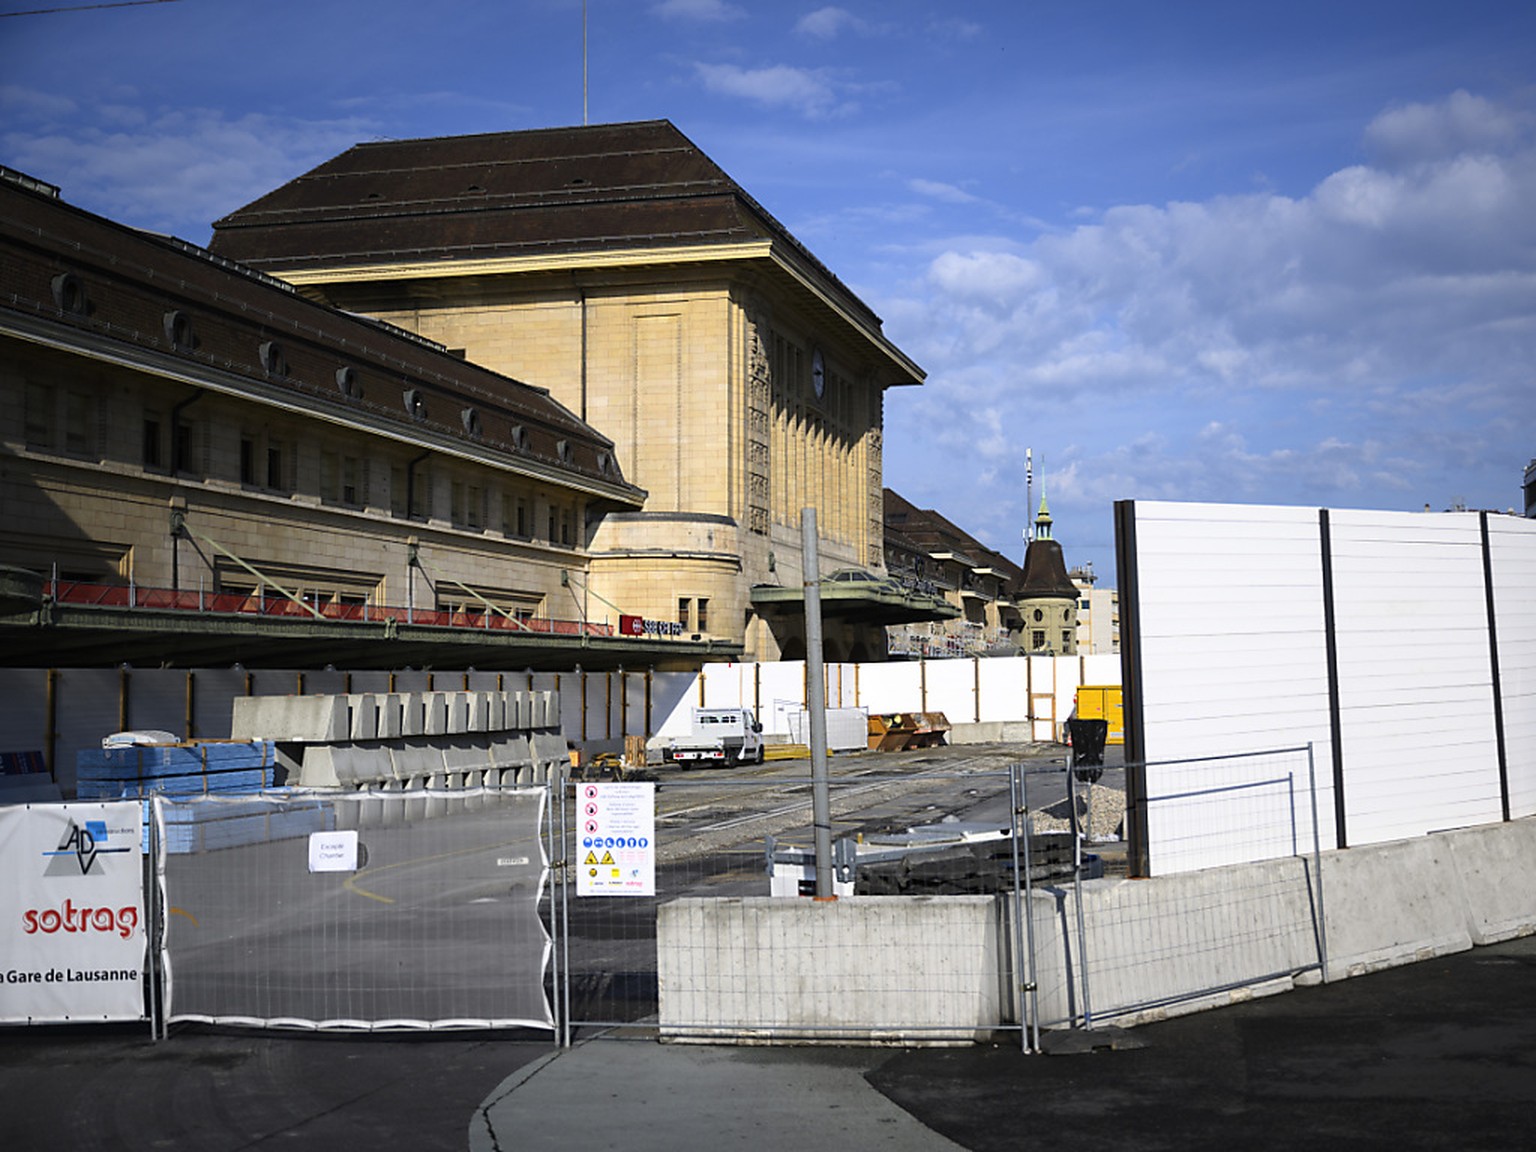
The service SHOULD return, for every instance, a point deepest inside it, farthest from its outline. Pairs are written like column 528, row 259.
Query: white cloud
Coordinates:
column 805, row 90
column 937, row 190
column 170, row 171
column 1461, row 123
column 697, row 10
column 1372, row 337
column 829, row 23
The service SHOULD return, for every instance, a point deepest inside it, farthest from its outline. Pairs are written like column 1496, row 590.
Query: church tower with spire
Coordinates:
column 1045, row 595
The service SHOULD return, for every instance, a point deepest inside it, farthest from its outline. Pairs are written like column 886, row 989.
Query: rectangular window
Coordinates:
column 683, row 606
column 247, row 461
column 330, row 472
column 275, row 467
column 554, row 524
column 351, row 487
column 418, row 487
column 397, row 490
column 79, row 439
column 703, row 614
column 522, row 518
column 153, row 453
column 1037, row 641
column 181, row 449
column 39, row 403
column 565, row 526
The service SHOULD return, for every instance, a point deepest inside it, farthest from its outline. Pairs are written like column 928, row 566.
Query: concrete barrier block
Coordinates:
column 291, row 719
column 479, row 709
column 519, row 710
column 1393, row 903
column 435, row 713
column 391, row 716
column 413, row 759
column 495, row 711
column 413, row 714
column 363, row 710
column 1495, row 865
column 360, row 766
column 467, row 753
column 511, row 750
column 456, row 706
column 548, row 748
column 318, row 768
column 926, row 967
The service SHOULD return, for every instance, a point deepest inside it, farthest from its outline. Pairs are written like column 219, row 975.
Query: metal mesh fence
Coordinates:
column 1236, row 902
column 434, row 921
column 733, row 853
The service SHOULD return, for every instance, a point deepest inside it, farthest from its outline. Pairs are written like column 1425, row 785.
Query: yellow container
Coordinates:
column 1102, row 702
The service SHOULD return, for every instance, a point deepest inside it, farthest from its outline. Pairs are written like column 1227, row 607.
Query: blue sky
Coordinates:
column 1185, row 251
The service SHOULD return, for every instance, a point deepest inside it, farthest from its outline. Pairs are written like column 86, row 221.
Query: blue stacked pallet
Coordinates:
column 195, row 769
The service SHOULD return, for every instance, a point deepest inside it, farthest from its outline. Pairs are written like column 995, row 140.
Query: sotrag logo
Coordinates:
column 81, row 845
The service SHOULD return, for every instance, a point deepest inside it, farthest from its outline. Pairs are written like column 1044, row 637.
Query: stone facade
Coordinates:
column 739, row 381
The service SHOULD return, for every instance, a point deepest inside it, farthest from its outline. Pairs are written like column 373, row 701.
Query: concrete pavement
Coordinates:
column 1435, row 1055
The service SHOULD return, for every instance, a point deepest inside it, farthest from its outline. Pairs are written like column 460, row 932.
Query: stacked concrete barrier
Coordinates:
column 402, row 741
column 750, row 968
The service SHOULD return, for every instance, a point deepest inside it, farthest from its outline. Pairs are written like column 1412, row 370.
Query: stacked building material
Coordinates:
column 195, row 768
column 401, row 741
column 231, row 773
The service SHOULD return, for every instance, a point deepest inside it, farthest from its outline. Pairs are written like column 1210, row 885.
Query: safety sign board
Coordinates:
column 617, row 841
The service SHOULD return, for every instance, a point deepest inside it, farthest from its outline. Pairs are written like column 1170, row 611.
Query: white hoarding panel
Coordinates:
column 1415, row 680
column 1232, row 645
column 1005, row 688
column 73, row 934
column 888, row 688
column 1512, row 547
column 952, row 689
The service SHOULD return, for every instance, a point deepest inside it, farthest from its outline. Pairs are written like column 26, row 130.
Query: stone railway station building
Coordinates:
column 529, row 382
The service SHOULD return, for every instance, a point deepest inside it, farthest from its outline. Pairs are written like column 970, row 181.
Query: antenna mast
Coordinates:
column 1029, row 494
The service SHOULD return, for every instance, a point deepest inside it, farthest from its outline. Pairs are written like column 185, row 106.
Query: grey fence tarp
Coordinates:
column 438, row 925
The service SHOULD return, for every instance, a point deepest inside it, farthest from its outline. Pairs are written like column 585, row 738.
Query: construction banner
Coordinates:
column 73, row 936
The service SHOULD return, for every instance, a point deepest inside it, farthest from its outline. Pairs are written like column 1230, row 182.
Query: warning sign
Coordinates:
column 618, row 840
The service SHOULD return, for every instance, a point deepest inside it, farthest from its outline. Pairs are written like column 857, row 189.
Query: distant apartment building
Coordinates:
column 1098, row 613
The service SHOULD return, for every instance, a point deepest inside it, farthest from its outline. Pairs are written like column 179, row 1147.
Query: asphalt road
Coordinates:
column 1436, row 1055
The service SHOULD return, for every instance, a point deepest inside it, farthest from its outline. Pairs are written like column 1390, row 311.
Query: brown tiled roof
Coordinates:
column 505, row 194
column 126, row 286
column 929, row 531
column 1045, row 573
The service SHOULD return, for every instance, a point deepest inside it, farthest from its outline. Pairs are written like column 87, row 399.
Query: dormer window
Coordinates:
column 415, row 404
column 178, row 331
column 69, row 295
column 347, row 385
column 273, row 362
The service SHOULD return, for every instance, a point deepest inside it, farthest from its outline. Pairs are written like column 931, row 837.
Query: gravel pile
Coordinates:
column 1104, row 806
